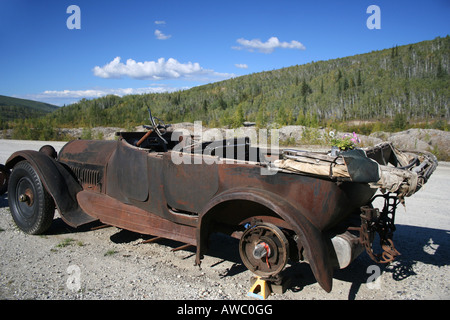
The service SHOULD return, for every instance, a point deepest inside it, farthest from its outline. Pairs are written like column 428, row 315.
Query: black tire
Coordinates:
column 31, row 206
column 4, row 177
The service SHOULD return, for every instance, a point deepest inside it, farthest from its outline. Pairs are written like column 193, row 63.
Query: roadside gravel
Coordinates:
column 110, row 263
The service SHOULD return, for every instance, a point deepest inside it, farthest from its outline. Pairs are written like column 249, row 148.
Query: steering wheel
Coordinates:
column 156, row 125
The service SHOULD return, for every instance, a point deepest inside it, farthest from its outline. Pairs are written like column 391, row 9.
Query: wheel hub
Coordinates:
column 27, row 197
column 261, row 250
column 264, row 249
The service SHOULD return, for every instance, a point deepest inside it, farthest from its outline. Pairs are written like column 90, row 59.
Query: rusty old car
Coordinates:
column 285, row 207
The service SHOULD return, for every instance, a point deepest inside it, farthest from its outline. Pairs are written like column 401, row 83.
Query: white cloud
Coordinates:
column 60, row 97
column 267, row 47
column 241, row 66
column 160, row 22
column 96, row 93
column 161, row 36
column 156, row 70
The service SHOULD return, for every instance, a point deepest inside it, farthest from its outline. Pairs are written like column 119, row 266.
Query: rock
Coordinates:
column 431, row 140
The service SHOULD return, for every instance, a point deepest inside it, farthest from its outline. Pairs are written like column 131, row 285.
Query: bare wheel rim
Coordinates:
column 264, row 249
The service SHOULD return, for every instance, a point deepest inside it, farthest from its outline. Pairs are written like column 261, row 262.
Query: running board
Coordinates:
column 115, row 213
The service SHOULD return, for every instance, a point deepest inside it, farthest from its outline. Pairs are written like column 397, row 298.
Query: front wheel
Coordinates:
column 31, row 206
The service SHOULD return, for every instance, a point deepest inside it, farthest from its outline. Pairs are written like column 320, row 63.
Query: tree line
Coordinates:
column 388, row 90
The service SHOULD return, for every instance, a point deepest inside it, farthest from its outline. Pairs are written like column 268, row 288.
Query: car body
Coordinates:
column 137, row 183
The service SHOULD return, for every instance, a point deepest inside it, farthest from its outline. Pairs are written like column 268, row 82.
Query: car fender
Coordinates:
column 58, row 182
column 315, row 244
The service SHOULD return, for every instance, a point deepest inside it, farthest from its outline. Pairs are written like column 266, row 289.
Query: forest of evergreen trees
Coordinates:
column 15, row 108
column 388, row 90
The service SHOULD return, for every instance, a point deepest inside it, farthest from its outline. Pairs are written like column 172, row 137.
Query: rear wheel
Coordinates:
column 32, row 208
column 264, row 249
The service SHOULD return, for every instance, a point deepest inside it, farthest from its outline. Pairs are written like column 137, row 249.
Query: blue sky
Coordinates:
column 133, row 46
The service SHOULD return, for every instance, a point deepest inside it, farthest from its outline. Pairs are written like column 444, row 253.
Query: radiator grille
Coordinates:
column 87, row 176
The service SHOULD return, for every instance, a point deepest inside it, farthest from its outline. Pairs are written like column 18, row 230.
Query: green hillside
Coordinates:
column 14, row 108
column 389, row 89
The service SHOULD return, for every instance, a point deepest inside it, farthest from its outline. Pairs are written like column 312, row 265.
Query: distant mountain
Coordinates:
column 15, row 108
column 385, row 90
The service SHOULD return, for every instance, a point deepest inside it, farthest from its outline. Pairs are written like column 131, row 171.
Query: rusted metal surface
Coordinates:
column 112, row 212
column 133, row 183
column 372, row 221
column 103, row 226
column 87, row 152
column 204, row 198
column 265, row 249
column 184, row 246
column 128, row 177
column 189, row 187
column 152, row 240
column 309, row 239
column 87, row 161
column 144, row 137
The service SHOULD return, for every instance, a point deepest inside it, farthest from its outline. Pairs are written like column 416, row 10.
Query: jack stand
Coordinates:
column 264, row 289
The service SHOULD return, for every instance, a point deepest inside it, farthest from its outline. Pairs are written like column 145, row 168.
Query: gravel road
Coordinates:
column 111, row 263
